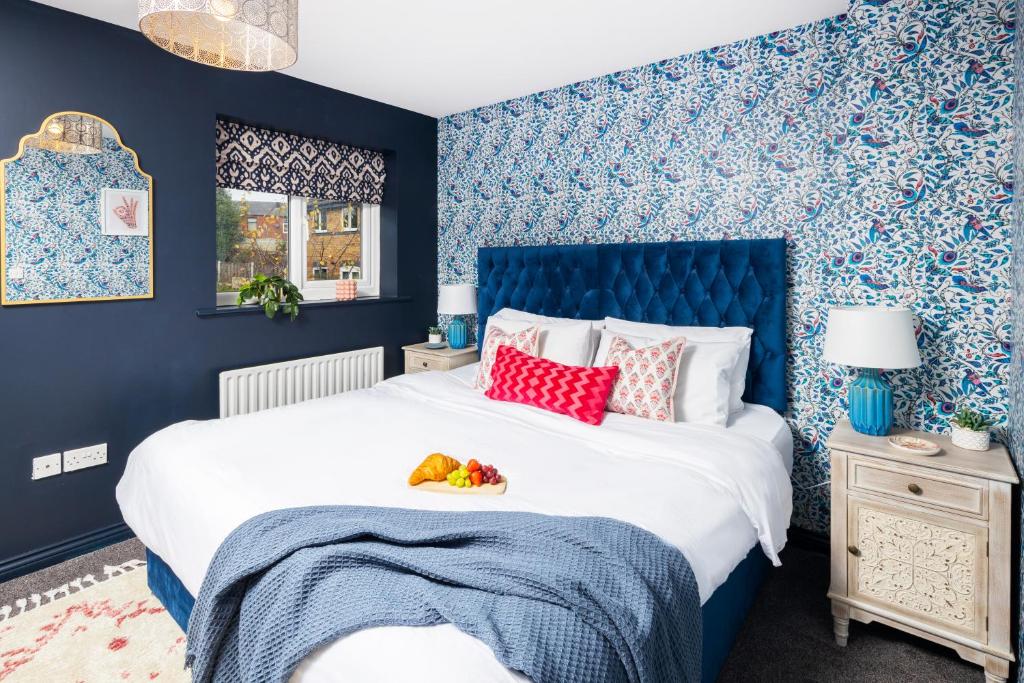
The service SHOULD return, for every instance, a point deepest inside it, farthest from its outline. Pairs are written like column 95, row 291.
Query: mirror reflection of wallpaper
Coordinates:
column 877, row 143
column 55, row 246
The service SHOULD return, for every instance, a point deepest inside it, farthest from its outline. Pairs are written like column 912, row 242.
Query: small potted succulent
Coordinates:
column 970, row 430
column 434, row 334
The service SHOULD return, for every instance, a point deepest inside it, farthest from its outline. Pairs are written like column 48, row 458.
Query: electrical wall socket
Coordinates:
column 46, row 466
column 80, row 458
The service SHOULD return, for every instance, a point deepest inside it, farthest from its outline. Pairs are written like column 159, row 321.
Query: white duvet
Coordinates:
column 712, row 492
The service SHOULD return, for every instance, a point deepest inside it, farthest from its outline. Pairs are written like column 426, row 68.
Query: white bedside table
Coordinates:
column 922, row 544
column 418, row 358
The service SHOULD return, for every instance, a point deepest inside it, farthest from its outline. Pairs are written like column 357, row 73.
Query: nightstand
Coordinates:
column 418, row 358
column 922, row 543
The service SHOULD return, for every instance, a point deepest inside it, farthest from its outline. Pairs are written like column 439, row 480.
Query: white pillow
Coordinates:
column 544, row 321
column 568, row 343
column 703, row 387
column 516, row 314
column 738, row 335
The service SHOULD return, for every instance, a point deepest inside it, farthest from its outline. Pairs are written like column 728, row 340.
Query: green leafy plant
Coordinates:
column 434, row 329
column 274, row 293
column 972, row 420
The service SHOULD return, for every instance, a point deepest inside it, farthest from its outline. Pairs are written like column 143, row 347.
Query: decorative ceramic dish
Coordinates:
column 915, row 445
column 439, row 345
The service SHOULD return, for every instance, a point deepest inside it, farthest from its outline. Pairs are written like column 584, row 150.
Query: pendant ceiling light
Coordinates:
column 242, row 35
column 71, row 134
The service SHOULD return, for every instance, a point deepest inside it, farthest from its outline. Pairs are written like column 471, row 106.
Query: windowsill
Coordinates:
column 252, row 309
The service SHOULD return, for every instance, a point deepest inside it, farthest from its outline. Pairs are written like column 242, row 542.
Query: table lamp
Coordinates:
column 871, row 338
column 457, row 300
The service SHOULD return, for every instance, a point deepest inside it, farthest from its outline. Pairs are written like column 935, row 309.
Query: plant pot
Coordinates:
column 434, row 338
column 970, row 439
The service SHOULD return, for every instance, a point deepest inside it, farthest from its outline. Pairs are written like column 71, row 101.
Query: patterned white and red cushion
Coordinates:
column 526, row 341
column 577, row 391
column 647, row 378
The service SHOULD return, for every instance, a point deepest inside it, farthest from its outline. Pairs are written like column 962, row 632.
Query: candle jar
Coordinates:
column 345, row 290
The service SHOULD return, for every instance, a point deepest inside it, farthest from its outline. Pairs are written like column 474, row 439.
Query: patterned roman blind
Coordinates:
column 263, row 160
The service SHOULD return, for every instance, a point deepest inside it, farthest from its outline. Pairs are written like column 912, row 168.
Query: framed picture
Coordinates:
column 125, row 212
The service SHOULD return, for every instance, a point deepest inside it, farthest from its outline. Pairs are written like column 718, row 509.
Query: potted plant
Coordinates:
column 434, row 334
column 274, row 293
column 970, row 430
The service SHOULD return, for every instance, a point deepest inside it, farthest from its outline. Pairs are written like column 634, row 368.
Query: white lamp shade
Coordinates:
column 457, row 300
column 871, row 337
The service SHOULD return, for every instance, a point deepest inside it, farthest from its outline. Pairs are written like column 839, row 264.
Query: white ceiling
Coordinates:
column 439, row 57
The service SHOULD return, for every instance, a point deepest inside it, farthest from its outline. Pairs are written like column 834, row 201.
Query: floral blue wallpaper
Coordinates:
column 1017, row 369
column 54, row 238
column 877, row 143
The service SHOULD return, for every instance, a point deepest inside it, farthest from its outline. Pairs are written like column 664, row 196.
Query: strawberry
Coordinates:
column 473, row 465
column 477, row 477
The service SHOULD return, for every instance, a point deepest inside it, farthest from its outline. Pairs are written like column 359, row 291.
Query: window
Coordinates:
column 250, row 239
column 332, row 241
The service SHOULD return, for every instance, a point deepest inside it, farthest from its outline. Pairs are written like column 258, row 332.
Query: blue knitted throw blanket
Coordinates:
column 557, row 598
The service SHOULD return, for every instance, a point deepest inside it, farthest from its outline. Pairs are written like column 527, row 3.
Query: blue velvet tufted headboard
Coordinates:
column 713, row 284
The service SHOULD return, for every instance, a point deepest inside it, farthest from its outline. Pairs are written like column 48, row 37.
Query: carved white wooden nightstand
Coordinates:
column 922, row 543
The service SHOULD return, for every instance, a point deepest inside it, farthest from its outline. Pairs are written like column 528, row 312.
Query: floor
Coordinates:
column 788, row 636
column 51, row 577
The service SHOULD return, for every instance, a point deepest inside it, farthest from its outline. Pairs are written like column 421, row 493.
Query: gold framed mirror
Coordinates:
column 76, row 216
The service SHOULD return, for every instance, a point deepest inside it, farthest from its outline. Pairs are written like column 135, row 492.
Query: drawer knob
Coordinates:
column 854, row 550
column 424, row 363
column 914, row 488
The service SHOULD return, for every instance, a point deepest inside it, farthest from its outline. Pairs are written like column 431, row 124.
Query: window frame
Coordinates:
column 367, row 285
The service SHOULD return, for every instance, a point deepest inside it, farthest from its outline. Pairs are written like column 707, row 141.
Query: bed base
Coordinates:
column 723, row 615
column 169, row 589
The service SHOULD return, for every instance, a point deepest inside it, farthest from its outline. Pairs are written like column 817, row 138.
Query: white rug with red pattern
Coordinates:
column 91, row 631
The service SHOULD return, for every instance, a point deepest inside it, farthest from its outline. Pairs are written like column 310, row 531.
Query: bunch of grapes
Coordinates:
column 460, row 478
column 491, row 474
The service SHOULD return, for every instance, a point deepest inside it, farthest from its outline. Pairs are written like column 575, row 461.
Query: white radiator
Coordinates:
column 248, row 390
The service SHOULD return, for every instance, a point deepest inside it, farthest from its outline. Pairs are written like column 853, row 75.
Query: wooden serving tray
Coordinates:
column 445, row 487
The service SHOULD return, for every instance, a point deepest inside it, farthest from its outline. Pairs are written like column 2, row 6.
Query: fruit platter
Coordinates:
column 440, row 473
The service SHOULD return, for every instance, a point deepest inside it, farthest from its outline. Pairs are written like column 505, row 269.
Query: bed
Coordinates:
column 721, row 495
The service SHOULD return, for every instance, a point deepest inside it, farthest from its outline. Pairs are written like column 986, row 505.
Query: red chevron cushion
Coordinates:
column 579, row 392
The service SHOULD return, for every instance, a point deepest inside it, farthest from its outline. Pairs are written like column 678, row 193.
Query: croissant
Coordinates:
column 435, row 467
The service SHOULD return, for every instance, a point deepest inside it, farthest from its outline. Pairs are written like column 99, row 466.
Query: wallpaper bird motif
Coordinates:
column 878, row 143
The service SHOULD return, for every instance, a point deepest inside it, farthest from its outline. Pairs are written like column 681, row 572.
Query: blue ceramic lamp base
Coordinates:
column 871, row 403
column 458, row 333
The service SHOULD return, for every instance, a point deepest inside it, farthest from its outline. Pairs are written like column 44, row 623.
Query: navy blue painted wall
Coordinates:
column 79, row 374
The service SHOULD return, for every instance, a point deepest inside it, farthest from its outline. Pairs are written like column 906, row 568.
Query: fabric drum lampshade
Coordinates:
column 871, row 338
column 457, row 300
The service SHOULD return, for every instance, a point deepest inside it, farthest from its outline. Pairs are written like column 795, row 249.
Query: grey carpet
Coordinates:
column 787, row 636
column 59, row 574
